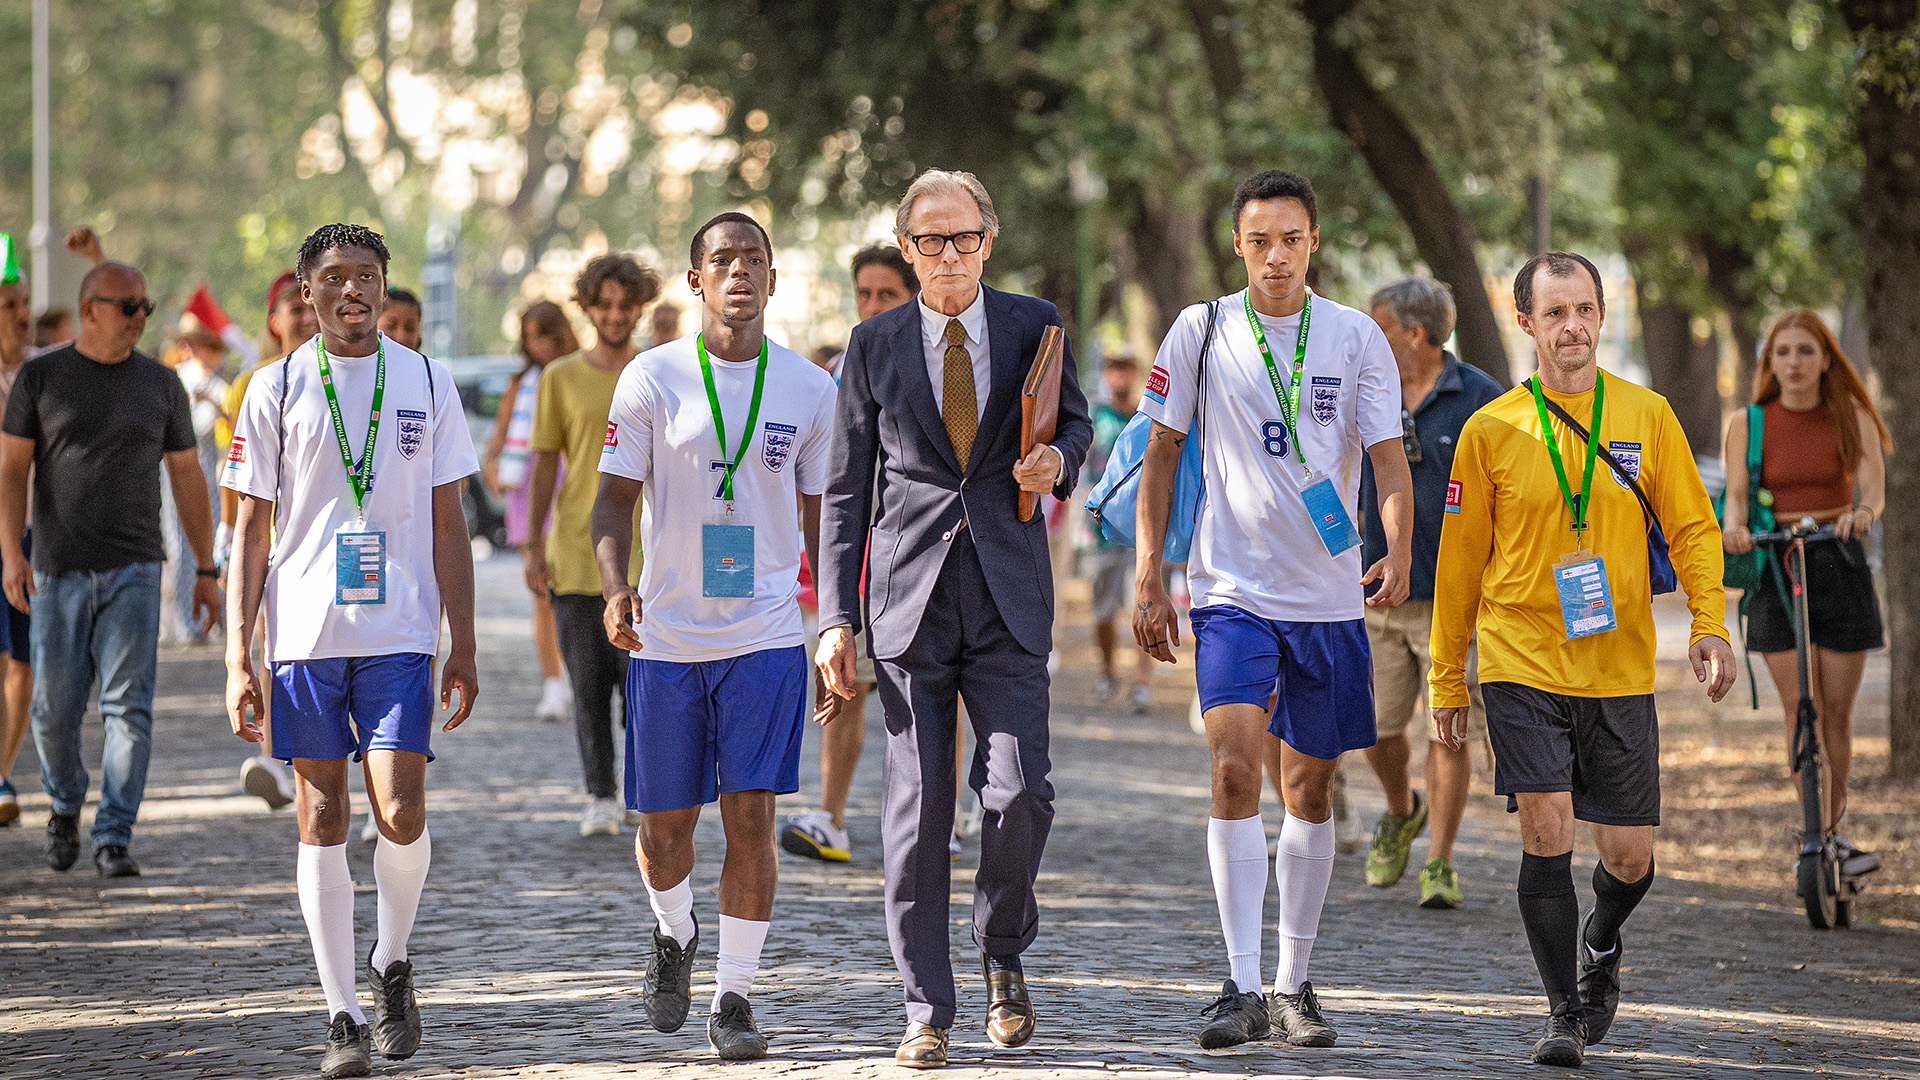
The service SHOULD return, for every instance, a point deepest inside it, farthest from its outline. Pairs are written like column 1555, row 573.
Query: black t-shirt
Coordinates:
column 99, row 432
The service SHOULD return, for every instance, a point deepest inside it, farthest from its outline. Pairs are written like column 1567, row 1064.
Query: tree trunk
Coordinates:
column 1725, row 266
column 1679, row 367
column 1164, row 237
column 1400, row 165
column 1889, row 232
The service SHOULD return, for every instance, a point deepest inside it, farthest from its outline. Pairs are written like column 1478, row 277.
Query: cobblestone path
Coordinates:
column 531, row 939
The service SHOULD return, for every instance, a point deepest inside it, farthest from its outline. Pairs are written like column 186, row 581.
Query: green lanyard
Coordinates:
column 360, row 476
column 720, row 424
column 1577, row 509
column 1289, row 395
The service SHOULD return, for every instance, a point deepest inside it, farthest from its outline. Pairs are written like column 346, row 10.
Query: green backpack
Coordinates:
column 1746, row 572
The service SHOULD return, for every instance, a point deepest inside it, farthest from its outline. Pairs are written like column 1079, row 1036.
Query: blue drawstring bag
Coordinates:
column 1113, row 500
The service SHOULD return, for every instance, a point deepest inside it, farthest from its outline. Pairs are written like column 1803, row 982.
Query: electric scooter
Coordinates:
column 1827, row 879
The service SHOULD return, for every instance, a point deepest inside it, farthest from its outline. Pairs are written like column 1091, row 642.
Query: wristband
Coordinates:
column 208, row 572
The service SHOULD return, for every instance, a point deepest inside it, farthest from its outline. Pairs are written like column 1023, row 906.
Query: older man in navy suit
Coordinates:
column 959, row 594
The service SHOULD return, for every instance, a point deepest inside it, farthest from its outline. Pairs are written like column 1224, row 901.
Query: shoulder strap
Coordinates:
column 1606, row 455
column 1756, row 434
column 1200, row 367
column 280, row 461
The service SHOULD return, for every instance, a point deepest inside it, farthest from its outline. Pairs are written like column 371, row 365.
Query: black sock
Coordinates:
column 1551, row 912
column 1613, row 901
column 1009, row 962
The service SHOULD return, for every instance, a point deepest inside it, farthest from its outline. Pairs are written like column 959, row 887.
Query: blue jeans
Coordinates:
column 106, row 624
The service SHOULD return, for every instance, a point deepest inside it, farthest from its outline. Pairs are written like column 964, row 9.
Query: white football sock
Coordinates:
column 1237, row 853
column 326, row 900
column 1302, row 867
column 738, row 958
column 399, row 873
column 674, row 909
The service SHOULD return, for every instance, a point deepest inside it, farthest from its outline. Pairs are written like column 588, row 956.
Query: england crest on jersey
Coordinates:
column 413, row 431
column 777, row 446
column 1326, row 399
column 1628, row 455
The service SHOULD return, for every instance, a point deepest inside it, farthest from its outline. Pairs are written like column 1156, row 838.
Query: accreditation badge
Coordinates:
column 726, row 561
column 1330, row 517
column 360, row 565
column 1586, row 600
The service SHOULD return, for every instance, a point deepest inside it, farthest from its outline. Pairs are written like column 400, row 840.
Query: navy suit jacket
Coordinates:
column 898, row 492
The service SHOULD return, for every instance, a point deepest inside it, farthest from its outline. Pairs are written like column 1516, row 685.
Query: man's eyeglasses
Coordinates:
column 129, row 305
column 932, row 244
column 1410, row 437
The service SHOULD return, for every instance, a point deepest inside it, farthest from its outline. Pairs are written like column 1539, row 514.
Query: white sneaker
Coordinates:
column 602, row 816
column 267, row 779
column 371, row 830
column 976, row 818
column 556, row 702
column 1142, row 700
column 813, row 836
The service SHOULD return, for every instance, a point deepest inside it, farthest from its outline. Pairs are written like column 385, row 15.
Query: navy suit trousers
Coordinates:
column 962, row 649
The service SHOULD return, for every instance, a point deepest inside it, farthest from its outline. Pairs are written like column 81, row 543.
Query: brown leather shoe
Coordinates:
column 1009, row 1009
column 922, row 1047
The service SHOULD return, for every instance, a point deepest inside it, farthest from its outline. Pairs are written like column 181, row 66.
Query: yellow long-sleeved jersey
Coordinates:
column 1507, row 525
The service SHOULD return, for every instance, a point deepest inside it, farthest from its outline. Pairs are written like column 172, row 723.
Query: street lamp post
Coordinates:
column 41, row 238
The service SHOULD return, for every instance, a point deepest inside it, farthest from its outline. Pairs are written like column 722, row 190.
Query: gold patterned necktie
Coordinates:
column 959, row 401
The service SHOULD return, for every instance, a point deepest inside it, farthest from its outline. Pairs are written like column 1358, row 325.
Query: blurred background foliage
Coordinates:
column 1707, row 143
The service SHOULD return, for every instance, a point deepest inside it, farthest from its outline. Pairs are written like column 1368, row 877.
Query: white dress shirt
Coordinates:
column 933, row 339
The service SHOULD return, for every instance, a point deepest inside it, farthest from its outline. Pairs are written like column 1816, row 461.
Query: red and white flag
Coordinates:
column 203, row 307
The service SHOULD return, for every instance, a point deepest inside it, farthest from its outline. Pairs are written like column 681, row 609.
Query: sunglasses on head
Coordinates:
column 129, row 305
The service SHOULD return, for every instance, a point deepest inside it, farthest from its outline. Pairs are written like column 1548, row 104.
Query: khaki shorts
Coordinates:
column 1398, row 637
column 1112, row 583
column 863, row 659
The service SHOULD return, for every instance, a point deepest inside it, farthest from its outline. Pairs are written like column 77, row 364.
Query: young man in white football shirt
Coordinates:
column 1297, row 389
column 362, row 443
column 720, row 433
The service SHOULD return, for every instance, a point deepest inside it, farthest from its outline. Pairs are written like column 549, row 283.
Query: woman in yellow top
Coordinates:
column 1822, row 456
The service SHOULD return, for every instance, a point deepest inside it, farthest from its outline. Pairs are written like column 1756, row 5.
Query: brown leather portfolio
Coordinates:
column 1040, row 403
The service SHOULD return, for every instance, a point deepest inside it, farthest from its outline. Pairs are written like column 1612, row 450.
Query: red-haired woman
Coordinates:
column 1822, row 456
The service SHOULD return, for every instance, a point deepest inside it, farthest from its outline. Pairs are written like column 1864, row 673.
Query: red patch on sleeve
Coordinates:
column 237, row 450
column 1157, row 381
column 1453, row 496
column 613, row 435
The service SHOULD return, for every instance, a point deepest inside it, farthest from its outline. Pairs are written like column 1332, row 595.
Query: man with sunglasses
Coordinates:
column 1437, row 394
column 92, row 422
column 959, row 594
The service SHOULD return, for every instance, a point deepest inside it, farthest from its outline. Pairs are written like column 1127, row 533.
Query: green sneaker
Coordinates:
column 1439, row 885
column 1392, row 840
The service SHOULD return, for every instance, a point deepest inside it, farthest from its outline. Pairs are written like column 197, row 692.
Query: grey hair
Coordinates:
column 942, row 182
column 1419, row 301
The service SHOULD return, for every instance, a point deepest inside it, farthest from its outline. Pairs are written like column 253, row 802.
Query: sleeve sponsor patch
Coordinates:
column 613, row 438
column 1157, row 384
column 1453, row 496
column 237, row 451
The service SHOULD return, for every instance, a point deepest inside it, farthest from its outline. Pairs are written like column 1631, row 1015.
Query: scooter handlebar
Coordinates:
column 1805, row 529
